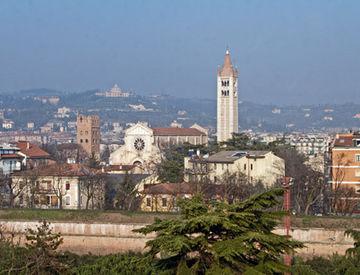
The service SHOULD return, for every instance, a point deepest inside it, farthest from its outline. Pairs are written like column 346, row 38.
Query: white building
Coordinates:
column 227, row 100
column 59, row 185
column 143, row 144
column 8, row 124
column 256, row 166
column 114, row 92
column 10, row 159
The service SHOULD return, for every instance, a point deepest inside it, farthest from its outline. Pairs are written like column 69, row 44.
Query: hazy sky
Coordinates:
column 288, row 52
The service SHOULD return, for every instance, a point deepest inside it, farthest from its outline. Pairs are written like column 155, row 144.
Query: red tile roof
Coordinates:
column 169, row 188
column 31, row 150
column 173, row 131
column 65, row 170
column 344, row 140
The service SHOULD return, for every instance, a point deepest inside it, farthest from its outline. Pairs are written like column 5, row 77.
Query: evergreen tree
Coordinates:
column 354, row 251
column 42, row 244
column 222, row 238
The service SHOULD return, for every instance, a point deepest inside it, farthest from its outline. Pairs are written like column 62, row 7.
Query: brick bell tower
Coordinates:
column 88, row 134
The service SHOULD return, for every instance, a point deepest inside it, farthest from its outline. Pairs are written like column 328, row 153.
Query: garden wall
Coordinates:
column 105, row 238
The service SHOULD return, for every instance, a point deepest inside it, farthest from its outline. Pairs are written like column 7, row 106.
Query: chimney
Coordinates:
column 27, row 145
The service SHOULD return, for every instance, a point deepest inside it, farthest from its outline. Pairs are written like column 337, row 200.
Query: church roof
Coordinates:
column 227, row 69
column 173, row 131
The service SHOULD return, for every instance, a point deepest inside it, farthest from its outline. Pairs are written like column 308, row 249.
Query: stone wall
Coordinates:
column 103, row 239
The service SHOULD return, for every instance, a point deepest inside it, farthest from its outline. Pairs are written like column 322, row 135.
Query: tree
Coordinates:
column 15, row 187
column 309, row 187
column 93, row 161
column 92, row 187
column 171, row 168
column 354, row 251
column 3, row 189
column 237, row 187
column 105, row 155
column 125, row 192
column 222, row 238
column 343, row 199
column 42, row 244
column 62, row 152
column 58, row 187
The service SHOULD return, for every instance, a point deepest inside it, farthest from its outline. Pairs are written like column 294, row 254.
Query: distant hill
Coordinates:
column 162, row 110
column 39, row 92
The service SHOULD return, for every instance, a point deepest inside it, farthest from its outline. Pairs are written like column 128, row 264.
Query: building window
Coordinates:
column 215, row 179
column 357, row 158
column 164, row 202
column 81, row 141
column 357, row 173
column 67, row 200
column 86, row 140
column 245, row 166
column 67, row 185
column 148, row 202
column 251, row 167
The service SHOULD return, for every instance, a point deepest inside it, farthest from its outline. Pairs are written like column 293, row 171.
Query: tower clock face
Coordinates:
column 139, row 144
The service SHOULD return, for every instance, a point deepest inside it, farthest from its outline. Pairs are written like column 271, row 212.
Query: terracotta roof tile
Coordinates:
column 344, row 140
column 31, row 150
column 66, row 169
column 169, row 188
column 177, row 132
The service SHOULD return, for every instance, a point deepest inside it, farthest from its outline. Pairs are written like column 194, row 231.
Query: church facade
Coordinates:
column 143, row 144
column 227, row 100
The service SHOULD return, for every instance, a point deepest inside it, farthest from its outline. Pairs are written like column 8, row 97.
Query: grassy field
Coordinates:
column 331, row 222
column 97, row 216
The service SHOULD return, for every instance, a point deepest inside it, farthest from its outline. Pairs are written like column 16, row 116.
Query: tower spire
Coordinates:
column 227, row 69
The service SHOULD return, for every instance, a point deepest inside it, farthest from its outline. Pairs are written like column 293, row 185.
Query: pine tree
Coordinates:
column 42, row 244
column 222, row 238
column 354, row 251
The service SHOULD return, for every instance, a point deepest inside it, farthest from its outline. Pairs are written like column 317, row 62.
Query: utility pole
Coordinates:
column 287, row 222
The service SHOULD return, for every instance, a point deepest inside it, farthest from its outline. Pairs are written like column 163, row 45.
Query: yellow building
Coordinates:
column 162, row 197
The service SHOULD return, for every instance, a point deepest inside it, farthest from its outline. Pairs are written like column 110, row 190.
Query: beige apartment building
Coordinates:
column 227, row 100
column 256, row 166
column 88, row 134
column 58, row 186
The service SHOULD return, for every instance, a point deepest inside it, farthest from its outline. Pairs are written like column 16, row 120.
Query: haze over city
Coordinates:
column 287, row 52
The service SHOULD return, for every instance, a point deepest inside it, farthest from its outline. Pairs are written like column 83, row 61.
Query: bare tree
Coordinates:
column 344, row 199
column 58, row 185
column 236, row 187
column 92, row 188
column 20, row 185
column 307, row 190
